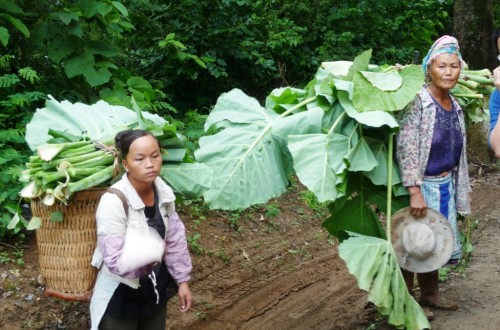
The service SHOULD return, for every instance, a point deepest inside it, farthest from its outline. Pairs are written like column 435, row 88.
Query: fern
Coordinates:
column 9, row 80
column 11, row 135
column 5, row 61
column 22, row 99
column 29, row 74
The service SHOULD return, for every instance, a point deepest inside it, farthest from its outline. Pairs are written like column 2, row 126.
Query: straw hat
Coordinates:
column 424, row 244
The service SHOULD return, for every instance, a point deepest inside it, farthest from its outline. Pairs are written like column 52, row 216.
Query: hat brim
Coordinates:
column 443, row 248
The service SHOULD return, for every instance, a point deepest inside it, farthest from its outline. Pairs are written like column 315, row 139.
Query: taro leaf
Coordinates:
column 282, row 99
column 247, row 166
column 315, row 163
column 337, row 68
column 390, row 81
column 373, row 262
column 371, row 118
column 361, row 158
column 321, row 86
column 188, row 179
column 98, row 121
column 360, row 63
column 378, row 175
column 367, row 97
column 351, row 213
column 248, row 158
column 237, row 108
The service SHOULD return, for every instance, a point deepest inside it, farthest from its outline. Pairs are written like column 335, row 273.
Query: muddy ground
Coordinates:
column 274, row 267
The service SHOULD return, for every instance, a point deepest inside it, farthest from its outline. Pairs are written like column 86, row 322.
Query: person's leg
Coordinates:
column 113, row 323
column 429, row 292
column 409, row 278
column 155, row 322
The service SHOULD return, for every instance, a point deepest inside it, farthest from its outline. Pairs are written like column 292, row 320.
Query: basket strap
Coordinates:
column 121, row 195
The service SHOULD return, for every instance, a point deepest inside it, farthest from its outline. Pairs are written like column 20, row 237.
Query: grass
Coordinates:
column 16, row 256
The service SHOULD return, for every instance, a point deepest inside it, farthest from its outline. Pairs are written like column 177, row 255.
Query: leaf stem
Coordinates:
column 337, row 121
column 389, row 185
column 298, row 105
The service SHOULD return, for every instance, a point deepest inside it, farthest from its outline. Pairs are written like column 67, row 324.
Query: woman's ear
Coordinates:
column 124, row 163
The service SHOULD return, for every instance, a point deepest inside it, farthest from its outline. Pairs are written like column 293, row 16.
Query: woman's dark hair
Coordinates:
column 124, row 139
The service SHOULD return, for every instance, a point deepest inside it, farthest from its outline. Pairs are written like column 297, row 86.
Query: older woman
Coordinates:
column 432, row 155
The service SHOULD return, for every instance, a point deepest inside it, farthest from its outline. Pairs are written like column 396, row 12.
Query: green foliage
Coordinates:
column 194, row 244
column 272, row 210
column 16, row 99
column 320, row 209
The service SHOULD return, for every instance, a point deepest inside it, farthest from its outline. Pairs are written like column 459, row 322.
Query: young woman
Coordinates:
column 141, row 243
column 432, row 158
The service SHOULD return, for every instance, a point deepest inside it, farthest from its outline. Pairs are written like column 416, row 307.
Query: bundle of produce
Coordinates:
column 73, row 147
column 472, row 93
column 58, row 170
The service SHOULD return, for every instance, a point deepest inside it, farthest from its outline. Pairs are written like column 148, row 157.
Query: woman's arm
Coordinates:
column 177, row 255
column 407, row 154
column 178, row 260
column 494, row 139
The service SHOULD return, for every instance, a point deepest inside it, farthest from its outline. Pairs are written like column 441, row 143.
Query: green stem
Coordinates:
column 337, row 121
column 266, row 130
column 389, row 186
column 298, row 106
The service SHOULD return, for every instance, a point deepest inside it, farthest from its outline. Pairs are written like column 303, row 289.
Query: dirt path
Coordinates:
column 275, row 268
column 478, row 290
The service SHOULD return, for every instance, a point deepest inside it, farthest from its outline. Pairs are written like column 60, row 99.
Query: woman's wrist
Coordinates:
column 414, row 190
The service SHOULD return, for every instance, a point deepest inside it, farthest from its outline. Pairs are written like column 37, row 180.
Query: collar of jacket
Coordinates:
column 165, row 193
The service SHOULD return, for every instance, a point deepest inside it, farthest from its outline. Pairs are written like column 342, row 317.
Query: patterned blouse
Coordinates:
column 414, row 142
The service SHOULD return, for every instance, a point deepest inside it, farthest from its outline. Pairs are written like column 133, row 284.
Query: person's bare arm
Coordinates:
column 495, row 133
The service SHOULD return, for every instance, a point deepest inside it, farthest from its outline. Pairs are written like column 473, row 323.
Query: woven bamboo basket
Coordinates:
column 65, row 248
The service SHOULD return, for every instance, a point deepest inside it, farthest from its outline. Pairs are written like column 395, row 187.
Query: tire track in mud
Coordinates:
column 317, row 293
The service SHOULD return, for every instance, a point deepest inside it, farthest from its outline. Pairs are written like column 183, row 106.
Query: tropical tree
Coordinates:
column 473, row 27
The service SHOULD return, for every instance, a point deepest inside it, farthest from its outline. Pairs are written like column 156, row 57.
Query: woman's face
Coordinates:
column 143, row 161
column 444, row 71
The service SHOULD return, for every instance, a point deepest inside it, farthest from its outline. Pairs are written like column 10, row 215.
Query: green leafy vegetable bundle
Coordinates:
column 473, row 88
column 74, row 150
column 61, row 169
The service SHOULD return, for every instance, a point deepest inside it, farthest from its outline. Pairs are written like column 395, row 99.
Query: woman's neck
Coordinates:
column 145, row 191
column 440, row 95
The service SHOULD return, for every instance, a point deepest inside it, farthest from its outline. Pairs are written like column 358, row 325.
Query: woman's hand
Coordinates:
column 185, row 297
column 417, row 202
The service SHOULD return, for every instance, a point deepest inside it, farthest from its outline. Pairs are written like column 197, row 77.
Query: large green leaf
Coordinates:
column 378, row 175
column 371, row 118
column 248, row 155
column 98, row 121
column 247, row 166
column 4, row 36
column 315, row 166
column 188, row 179
column 368, row 97
column 361, row 158
column 352, row 213
column 18, row 24
column 237, row 108
column 373, row 262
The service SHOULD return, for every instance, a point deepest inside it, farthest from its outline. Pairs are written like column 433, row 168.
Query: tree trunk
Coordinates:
column 473, row 26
